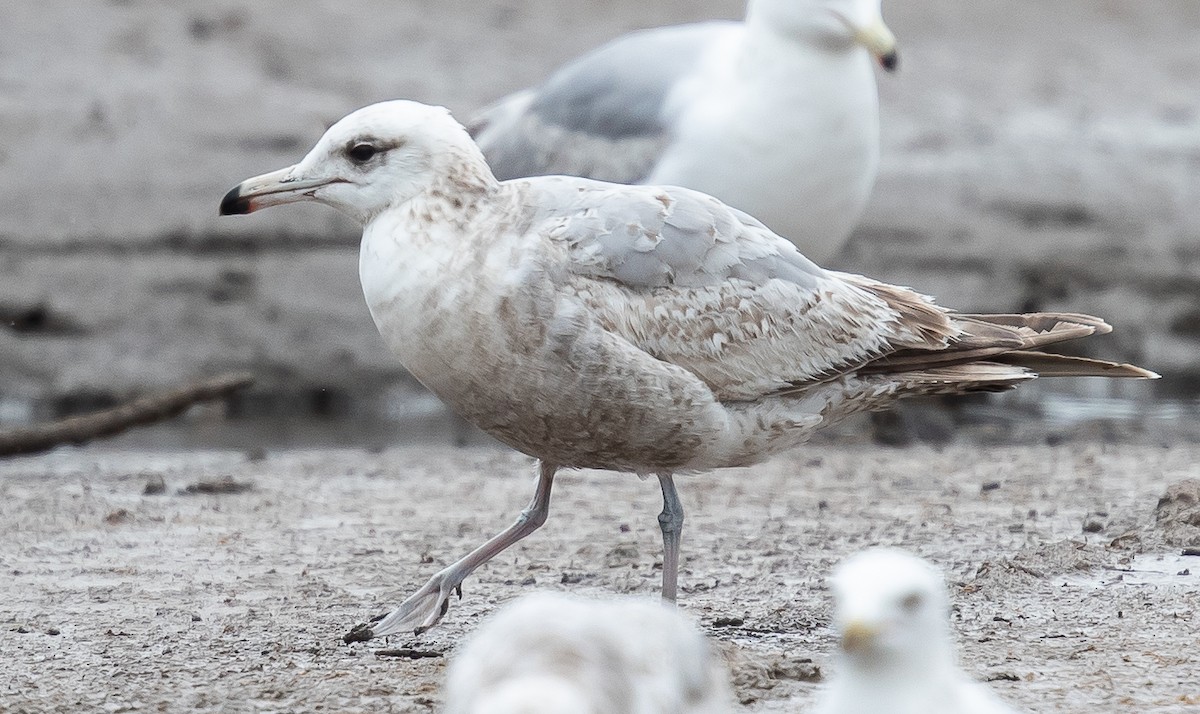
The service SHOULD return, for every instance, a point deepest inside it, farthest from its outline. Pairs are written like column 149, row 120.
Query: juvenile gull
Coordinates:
column 554, row 654
column 634, row 328
column 897, row 654
column 777, row 116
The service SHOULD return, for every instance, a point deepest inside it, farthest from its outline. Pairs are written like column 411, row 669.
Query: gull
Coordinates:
column 777, row 116
column 646, row 329
column 897, row 654
column 550, row 653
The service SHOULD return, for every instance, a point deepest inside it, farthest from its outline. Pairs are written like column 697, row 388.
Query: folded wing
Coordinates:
column 703, row 286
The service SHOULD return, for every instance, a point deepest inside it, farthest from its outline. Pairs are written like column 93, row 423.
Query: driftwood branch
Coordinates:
column 143, row 410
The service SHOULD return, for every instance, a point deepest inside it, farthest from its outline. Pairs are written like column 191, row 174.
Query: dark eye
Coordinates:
column 361, row 152
column 912, row 602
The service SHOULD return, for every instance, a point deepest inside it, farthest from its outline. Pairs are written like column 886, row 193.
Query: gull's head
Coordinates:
column 377, row 157
column 833, row 23
column 891, row 611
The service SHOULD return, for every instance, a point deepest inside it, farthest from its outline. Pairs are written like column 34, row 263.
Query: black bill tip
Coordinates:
column 889, row 61
column 234, row 204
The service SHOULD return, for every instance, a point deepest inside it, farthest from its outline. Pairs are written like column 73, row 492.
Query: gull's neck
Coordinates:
column 920, row 691
column 462, row 185
column 933, row 664
column 408, row 249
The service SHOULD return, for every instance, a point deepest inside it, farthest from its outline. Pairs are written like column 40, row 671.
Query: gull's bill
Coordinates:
column 880, row 42
column 271, row 189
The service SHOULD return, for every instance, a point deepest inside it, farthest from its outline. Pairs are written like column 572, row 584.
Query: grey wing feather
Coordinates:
column 599, row 116
column 660, row 236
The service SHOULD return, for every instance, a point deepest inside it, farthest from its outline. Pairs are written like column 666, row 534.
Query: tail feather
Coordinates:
column 1012, row 339
column 1040, row 321
column 939, row 351
column 964, row 379
column 1052, row 365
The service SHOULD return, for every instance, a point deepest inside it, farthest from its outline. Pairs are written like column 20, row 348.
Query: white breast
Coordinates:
column 403, row 273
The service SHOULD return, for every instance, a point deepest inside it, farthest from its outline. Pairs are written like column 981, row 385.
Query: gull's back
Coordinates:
column 602, row 115
column 769, row 122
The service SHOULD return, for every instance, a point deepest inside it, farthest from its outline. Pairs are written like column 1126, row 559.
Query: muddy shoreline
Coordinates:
column 130, row 589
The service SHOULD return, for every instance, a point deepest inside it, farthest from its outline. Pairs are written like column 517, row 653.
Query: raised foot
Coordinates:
column 421, row 611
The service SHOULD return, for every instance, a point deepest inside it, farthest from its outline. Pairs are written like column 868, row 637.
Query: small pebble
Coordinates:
column 118, row 516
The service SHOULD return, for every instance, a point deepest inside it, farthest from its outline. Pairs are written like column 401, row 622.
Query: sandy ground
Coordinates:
column 1069, row 588
column 1036, row 155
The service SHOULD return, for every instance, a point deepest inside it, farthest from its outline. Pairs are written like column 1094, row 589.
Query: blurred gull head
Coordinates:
column 891, row 610
column 839, row 25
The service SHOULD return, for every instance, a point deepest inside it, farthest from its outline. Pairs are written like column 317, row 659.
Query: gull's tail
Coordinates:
column 997, row 352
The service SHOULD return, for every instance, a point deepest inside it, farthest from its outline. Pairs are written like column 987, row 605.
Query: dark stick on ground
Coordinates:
column 143, row 410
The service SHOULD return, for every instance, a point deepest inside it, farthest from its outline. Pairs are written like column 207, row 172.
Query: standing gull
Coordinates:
column 635, row 328
column 550, row 653
column 897, row 653
column 777, row 116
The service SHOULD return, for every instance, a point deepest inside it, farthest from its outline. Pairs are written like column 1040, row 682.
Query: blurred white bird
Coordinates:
column 897, row 653
column 777, row 116
column 634, row 328
column 550, row 653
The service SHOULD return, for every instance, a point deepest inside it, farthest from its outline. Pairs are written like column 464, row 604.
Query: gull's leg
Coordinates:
column 671, row 522
column 425, row 607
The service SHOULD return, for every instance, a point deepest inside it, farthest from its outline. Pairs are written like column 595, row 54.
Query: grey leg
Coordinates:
column 426, row 606
column 671, row 522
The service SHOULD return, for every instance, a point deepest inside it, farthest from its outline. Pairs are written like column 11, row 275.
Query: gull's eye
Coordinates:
column 912, row 602
column 361, row 152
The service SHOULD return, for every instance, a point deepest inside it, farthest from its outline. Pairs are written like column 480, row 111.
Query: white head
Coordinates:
column 377, row 157
column 836, row 24
column 892, row 611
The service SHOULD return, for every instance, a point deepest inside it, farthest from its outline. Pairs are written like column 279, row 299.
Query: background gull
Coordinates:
column 551, row 653
column 777, row 116
column 897, row 654
column 634, row 328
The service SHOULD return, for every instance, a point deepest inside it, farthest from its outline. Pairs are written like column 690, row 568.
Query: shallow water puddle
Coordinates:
column 1158, row 569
